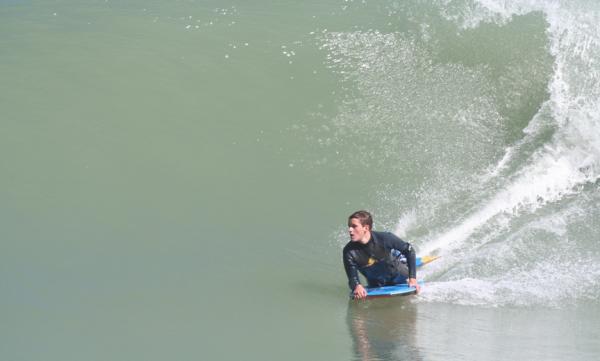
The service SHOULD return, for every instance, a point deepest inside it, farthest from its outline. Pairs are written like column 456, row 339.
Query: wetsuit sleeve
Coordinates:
column 407, row 250
column 351, row 269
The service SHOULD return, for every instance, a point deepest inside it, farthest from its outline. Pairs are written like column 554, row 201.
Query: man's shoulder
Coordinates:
column 351, row 246
column 380, row 233
column 383, row 235
column 386, row 237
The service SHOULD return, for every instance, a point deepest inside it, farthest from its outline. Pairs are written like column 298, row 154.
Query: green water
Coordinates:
column 176, row 176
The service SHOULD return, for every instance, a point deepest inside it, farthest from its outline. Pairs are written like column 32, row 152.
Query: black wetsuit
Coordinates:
column 380, row 260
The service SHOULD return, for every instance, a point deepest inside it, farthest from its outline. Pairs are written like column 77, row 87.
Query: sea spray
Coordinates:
column 469, row 167
column 549, row 181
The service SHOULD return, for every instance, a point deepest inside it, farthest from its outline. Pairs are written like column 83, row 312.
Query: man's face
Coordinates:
column 358, row 232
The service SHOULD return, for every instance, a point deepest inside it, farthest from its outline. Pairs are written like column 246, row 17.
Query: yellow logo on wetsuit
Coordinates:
column 371, row 261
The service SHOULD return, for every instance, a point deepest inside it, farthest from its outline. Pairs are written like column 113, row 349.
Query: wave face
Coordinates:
column 483, row 120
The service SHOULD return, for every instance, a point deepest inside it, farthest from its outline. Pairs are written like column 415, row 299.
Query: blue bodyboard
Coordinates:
column 399, row 289
column 388, row 291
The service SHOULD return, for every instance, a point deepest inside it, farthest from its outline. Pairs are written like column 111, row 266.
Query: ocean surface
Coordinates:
column 175, row 178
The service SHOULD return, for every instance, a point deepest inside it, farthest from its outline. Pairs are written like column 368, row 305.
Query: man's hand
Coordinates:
column 412, row 282
column 359, row 292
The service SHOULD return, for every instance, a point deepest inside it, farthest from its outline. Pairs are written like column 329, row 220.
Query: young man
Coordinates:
column 377, row 255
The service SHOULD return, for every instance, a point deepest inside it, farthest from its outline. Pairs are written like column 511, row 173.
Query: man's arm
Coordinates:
column 411, row 261
column 408, row 251
column 351, row 269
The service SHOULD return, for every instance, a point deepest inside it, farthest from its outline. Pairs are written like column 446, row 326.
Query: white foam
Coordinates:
column 545, row 284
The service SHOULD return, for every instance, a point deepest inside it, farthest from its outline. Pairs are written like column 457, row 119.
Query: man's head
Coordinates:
column 359, row 226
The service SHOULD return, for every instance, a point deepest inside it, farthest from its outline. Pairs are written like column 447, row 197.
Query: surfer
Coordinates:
column 383, row 258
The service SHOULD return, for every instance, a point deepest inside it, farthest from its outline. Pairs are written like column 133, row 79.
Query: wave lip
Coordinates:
column 561, row 169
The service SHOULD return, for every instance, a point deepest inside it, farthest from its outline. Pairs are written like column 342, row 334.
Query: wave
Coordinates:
column 512, row 215
column 546, row 267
